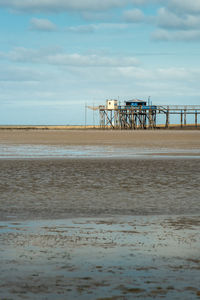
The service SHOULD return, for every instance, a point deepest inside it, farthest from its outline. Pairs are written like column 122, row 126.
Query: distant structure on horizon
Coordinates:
column 141, row 114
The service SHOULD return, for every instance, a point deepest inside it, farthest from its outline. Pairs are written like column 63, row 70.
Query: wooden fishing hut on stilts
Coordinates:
column 138, row 114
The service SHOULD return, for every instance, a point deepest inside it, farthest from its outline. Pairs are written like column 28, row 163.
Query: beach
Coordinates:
column 120, row 138
column 99, row 214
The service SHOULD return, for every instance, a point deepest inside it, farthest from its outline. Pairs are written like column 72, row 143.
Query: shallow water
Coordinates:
column 101, row 258
column 50, row 151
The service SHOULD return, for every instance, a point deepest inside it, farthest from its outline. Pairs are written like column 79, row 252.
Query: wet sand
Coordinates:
column 101, row 258
column 100, row 228
column 64, row 188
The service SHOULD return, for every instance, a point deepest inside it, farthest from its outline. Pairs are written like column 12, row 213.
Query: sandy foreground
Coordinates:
column 140, row 138
column 101, row 258
column 99, row 228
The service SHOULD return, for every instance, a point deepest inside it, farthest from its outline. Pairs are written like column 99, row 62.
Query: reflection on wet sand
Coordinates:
column 52, row 151
column 101, row 258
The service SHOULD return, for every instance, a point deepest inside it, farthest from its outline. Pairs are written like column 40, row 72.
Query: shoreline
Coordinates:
column 98, row 127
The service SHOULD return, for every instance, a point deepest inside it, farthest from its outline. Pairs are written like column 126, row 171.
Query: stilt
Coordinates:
column 167, row 118
column 196, row 121
column 185, row 117
column 127, row 117
column 181, row 118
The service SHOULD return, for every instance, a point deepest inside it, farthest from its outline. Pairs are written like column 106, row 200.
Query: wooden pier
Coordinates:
column 125, row 117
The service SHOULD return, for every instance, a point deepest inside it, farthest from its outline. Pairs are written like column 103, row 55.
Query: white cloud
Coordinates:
column 177, row 74
column 94, row 83
column 45, row 56
column 66, row 5
column 20, row 74
column 178, row 35
column 185, row 6
column 133, row 16
column 168, row 19
column 178, row 21
column 42, row 25
column 102, row 16
column 95, row 27
column 82, row 28
column 91, row 60
column 85, row 66
column 159, row 82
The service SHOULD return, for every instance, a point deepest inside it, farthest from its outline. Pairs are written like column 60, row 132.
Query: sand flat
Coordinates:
column 99, row 228
column 64, row 188
column 186, row 139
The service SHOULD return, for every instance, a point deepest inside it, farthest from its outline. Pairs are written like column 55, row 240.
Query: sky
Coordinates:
column 56, row 56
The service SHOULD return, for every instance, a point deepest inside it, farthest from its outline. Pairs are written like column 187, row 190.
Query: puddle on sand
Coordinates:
column 44, row 151
column 101, row 258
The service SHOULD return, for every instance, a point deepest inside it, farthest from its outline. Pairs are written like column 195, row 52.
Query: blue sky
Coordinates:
column 57, row 55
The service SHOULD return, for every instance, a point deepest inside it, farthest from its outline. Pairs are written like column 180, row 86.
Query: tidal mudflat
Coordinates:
column 66, row 188
column 101, row 258
column 99, row 221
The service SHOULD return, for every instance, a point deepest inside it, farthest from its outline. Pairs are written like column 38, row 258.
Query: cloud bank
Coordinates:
column 46, row 6
column 178, row 21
